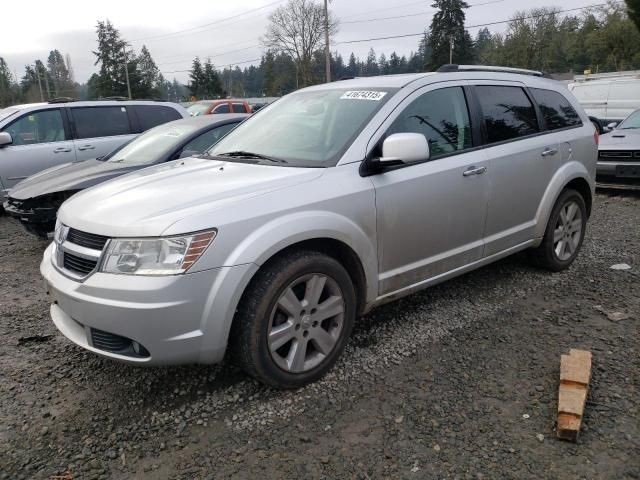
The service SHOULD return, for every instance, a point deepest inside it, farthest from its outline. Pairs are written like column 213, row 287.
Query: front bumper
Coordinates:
column 39, row 221
column 176, row 319
column 619, row 171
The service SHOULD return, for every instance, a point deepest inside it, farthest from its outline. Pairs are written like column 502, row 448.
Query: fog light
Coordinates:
column 139, row 349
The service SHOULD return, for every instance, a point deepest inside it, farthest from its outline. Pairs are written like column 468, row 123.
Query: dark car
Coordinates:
column 35, row 200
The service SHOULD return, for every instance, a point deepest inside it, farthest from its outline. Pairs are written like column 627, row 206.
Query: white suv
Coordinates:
column 37, row 136
column 322, row 205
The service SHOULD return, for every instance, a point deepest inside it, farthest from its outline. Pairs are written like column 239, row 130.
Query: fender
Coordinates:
column 261, row 245
column 273, row 237
column 569, row 171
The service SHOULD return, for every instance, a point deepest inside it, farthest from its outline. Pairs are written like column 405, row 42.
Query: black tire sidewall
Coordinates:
column 279, row 277
column 568, row 195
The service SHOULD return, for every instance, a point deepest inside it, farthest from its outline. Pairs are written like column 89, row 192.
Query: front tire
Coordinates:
column 294, row 320
column 564, row 234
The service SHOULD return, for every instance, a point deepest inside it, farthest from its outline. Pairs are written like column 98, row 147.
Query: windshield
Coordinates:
column 151, row 146
column 7, row 112
column 632, row 121
column 198, row 109
column 306, row 128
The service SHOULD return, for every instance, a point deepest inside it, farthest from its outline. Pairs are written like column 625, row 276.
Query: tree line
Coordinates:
column 605, row 38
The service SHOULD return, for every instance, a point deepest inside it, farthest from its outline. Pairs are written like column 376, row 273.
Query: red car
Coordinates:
column 228, row 105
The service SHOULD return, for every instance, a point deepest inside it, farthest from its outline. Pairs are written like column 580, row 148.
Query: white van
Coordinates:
column 610, row 97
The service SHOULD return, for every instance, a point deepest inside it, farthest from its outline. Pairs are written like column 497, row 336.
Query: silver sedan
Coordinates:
column 619, row 152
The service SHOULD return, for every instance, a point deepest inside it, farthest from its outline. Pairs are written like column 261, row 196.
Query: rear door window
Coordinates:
column 239, row 108
column 556, row 109
column 150, row 116
column 95, row 122
column 507, row 112
column 222, row 108
column 45, row 126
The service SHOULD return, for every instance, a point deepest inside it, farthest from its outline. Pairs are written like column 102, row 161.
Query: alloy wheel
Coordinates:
column 306, row 323
column 568, row 231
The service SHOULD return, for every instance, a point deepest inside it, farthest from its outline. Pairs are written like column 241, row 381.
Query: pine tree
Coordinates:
column 633, row 11
column 197, row 78
column 149, row 75
column 371, row 67
column 58, row 72
column 212, row 85
column 110, row 55
column 9, row 91
column 352, row 67
column 447, row 27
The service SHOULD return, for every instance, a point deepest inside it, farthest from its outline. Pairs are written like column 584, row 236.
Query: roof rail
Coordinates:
column 115, row 97
column 62, row 100
column 451, row 67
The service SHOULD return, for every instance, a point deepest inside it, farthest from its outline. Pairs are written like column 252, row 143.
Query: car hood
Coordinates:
column 149, row 201
column 69, row 176
column 628, row 139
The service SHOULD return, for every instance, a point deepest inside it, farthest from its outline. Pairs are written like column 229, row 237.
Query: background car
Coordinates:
column 619, row 152
column 36, row 200
column 230, row 105
column 37, row 136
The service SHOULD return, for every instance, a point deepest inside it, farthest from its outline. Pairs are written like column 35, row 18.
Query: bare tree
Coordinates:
column 298, row 29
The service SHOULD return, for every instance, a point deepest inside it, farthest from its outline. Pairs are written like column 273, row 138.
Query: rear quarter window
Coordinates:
column 150, row 116
column 556, row 109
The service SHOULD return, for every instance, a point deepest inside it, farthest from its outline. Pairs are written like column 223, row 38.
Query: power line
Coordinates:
column 210, row 56
column 404, row 16
column 218, row 66
column 480, row 24
column 215, row 22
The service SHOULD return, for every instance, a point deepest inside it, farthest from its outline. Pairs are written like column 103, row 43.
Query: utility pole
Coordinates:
column 39, row 83
column 327, row 54
column 126, row 70
column 451, row 49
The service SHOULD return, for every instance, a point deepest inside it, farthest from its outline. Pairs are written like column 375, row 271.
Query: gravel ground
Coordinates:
column 459, row 381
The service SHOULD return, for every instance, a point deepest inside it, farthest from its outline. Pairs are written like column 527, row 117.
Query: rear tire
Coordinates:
column 294, row 319
column 564, row 234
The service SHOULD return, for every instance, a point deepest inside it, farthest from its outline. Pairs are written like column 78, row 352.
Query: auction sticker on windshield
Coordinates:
column 363, row 95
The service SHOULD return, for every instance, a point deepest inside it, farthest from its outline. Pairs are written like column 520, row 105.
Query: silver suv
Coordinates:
column 329, row 202
column 37, row 136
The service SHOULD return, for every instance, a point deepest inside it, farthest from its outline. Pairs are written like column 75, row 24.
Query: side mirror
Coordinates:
column 612, row 125
column 5, row 139
column 404, row 148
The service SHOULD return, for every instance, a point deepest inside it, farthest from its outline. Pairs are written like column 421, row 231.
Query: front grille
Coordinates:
column 110, row 342
column 78, row 264
column 84, row 239
column 619, row 155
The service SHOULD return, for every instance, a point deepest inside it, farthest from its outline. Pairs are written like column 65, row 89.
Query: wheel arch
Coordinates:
column 571, row 175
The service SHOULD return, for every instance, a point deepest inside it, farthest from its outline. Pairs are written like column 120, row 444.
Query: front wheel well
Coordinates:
column 341, row 252
column 584, row 189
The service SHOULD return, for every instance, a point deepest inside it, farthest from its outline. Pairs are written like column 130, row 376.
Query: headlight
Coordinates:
column 155, row 256
column 58, row 233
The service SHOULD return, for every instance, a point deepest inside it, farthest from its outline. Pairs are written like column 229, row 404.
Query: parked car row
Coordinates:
column 317, row 208
column 41, row 135
column 35, row 201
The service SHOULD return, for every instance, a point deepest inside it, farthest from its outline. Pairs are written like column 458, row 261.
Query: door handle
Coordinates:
column 62, row 150
column 86, row 147
column 549, row 151
column 474, row 171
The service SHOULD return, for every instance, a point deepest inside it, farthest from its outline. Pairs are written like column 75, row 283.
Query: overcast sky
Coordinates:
column 30, row 30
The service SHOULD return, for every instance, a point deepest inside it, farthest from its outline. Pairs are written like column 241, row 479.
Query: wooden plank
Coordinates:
column 575, row 374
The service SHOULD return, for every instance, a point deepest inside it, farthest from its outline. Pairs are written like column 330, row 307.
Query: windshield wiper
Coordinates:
column 243, row 154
